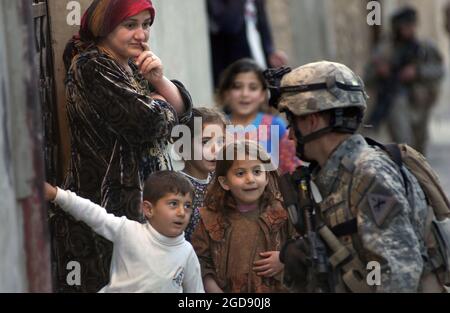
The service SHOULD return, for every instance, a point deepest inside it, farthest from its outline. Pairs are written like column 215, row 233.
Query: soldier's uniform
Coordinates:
column 367, row 206
column 374, row 210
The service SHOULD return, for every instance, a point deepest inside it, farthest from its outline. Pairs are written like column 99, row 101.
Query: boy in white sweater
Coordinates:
column 150, row 257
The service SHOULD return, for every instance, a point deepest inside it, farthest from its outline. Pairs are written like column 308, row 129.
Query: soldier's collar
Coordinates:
column 328, row 174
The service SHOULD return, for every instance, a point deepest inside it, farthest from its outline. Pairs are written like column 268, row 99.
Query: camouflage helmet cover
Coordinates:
column 333, row 97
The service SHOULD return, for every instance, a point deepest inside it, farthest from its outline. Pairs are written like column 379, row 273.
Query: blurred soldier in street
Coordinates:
column 405, row 73
column 371, row 210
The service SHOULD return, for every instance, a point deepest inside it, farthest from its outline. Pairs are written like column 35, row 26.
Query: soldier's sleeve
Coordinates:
column 385, row 229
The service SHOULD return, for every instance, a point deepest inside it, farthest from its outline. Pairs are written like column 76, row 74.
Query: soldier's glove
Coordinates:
column 295, row 255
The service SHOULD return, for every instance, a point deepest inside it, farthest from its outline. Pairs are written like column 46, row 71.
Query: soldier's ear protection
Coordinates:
column 274, row 77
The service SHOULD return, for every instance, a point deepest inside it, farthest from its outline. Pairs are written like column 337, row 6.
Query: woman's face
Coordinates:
column 246, row 95
column 126, row 39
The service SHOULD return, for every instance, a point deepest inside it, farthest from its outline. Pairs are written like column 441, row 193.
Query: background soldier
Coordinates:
column 375, row 211
column 405, row 73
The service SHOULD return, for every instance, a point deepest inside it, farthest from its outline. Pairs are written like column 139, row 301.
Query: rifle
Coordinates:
column 303, row 213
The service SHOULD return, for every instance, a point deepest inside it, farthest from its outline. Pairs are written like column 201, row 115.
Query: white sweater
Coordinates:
column 143, row 260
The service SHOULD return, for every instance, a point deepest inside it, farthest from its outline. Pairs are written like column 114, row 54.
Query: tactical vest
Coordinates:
column 341, row 235
column 348, row 260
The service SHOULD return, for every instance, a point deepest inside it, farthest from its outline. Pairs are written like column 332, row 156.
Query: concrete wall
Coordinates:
column 12, row 262
column 12, row 265
column 312, row 30
column 302, row 29
column 24, row 245
column 179, row 37
column 64, row 18
column 281, row 22
column 351, row 33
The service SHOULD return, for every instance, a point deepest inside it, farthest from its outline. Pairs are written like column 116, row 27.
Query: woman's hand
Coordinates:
column 150, row 65
column 270, row 265
column 151, row 68
column 49, row 192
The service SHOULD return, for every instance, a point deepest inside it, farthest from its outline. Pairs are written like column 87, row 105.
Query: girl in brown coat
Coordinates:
column 243, row 224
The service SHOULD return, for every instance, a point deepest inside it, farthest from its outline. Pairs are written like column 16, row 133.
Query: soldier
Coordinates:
column 405, row 73
column 375, row 211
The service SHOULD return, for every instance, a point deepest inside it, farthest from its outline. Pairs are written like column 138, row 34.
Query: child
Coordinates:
column 198, row 170
column 243, row 224
column 243, row 93
column 150, row 257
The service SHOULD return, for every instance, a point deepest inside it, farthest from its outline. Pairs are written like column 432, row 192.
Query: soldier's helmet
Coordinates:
column 329, row 86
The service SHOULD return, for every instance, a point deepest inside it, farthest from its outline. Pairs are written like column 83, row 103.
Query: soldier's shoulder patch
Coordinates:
column 381, row 207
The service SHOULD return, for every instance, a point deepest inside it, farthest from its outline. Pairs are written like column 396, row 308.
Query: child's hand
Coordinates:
column 150, row 66
column 270, row 265
column 49, row 192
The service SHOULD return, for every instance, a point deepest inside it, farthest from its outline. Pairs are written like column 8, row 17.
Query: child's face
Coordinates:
column 210, row 144
column 246, row 181
column 246, row 95
column 170, row 214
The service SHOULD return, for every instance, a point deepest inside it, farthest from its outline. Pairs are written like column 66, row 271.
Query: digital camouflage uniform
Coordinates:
column 362, row 185
column 366, row 202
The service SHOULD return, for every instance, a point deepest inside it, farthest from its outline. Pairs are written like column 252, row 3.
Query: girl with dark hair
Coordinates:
column 200, row 163
column 243, row 224
column 243, row 95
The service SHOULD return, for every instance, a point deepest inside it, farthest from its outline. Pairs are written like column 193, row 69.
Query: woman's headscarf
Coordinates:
column 100, row 19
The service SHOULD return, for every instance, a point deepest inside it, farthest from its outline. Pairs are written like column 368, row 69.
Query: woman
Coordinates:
column 121, row 111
